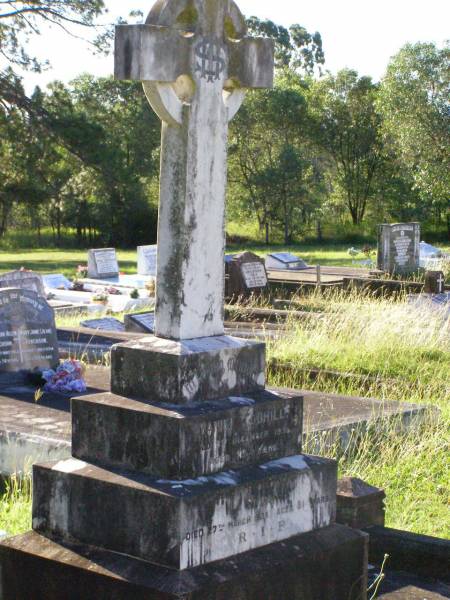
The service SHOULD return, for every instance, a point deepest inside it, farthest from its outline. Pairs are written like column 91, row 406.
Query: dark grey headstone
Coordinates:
column 399, row 248
column 102, row 263
column 434, row 282
column 105, row 324
column 24, row 280
column 146, row 262
column 27, row 332
column 140, row 323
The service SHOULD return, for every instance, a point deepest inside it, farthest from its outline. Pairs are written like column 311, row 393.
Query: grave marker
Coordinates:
column 102, row 263
column 140, row 323
column 285, row 260
column 399, row 248
column 246, row 275
column 104, row 324
column 27, row 332
column 147, row 260
column 24, row 280
column 434, row 282
column 57, row 281
column 224, row 486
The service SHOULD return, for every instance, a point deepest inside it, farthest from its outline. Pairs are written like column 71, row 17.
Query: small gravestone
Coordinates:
column 102, row 263
column 434, row 282
column 246, row 275
column 57, row 281
column 24, row 280
column 105, row 324
column 285, row 260
column 399, row 248
column 147, row 260
column 140, row 323
column 27, row 332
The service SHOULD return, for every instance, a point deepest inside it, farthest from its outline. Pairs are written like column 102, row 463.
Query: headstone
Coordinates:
column 27, row 332
column 24, row 280
column 285, row 260
column 146, row 262
column 434, row 282
column 102, row 263
column 189, row 460
column 57, row 281
column 140, row 322
column 398, row 248
column 104, row 324
column 246, row 275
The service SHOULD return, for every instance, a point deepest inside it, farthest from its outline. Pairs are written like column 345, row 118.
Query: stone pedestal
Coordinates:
column 210, row 496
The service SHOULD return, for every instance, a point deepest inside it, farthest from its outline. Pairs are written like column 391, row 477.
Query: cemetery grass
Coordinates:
column 382, row 350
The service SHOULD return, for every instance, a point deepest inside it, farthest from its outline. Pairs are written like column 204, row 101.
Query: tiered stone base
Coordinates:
column 328, row 564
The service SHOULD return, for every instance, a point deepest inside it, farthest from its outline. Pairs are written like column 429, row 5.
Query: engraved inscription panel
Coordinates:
column 254, row 274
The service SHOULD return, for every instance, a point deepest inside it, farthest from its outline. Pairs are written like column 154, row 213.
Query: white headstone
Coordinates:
column 102, row 263
column 146, row 262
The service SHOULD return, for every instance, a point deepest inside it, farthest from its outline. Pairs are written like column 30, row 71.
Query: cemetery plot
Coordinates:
column 27, row 332
column 285, row 260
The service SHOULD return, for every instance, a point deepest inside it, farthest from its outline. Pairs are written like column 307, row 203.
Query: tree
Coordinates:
column 414, row 101
column 271, row 167
column 295, row 47
column 19, row 19
column 347, row 127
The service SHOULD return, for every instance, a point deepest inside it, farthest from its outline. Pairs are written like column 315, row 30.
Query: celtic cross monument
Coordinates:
column 187, row 478
column 195, row 62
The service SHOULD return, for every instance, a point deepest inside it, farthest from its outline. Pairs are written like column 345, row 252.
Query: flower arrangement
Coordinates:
column 114, row 291
column 134, row 294
column 68, row 377
column 100, row 296
column 82, row 272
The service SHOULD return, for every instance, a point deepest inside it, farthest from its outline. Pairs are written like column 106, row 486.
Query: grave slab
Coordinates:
column 202, row 520
column 187, row 371
column 294, row 569
column 181, row 442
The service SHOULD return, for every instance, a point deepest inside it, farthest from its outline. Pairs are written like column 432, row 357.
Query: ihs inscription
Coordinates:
column 211, row 52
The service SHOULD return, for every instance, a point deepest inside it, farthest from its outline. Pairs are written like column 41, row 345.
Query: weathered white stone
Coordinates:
column 195, row 71
column 102, row 262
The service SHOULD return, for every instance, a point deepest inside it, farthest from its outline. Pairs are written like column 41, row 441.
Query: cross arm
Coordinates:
column 251, row 62
column 150, row 53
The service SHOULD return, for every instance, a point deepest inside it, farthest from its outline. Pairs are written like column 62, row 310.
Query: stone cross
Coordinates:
column 195, row 61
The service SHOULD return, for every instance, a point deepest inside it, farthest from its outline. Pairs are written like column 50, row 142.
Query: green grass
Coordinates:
column 394, row 354
column 15, row 506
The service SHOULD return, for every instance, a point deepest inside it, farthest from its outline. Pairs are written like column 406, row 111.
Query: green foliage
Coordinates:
column 22, row 18
column 294, row 47
column 347, row 127
column 414, row 101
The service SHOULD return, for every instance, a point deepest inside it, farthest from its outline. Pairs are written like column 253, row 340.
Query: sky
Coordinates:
column 358, row 34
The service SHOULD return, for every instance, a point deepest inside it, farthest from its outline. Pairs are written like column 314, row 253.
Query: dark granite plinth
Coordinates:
column 183, row 441
column 330, row 564
column 197, row 370
column 184, row 524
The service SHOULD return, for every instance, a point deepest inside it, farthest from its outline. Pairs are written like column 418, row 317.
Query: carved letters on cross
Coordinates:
column 187, row 40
